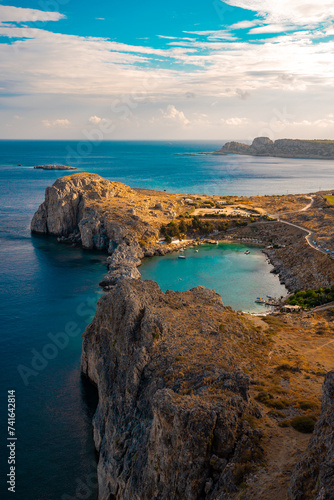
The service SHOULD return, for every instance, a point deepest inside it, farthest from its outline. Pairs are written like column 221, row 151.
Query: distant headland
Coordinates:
column 55, row 167
column 283, row 148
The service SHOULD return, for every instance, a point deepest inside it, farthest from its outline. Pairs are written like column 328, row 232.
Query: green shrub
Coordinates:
column 307, row 405
column 268, row 400
column 303, row 424
column 312, row 297
column 284, row 423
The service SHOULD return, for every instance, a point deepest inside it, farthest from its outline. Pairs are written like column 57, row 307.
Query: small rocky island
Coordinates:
column 55, row 167
column 197, row 401
column 283, row 148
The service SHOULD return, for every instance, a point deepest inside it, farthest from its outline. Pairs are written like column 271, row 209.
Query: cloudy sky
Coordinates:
column 182, row 69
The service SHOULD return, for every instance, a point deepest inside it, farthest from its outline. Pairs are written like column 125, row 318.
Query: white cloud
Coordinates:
column 322, row 123
column 95, row 120
column 167, row 37
column 271, row 28
column 63, row 122
column 65, row 64
column 20, row 15
column 175, row 115
column 243, row 25
column 296, row 12
column 212, row 65
column 235, row 121
column 214, row 35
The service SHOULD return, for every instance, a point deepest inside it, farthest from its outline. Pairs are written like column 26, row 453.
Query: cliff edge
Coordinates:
column 96, row 213
column 174, row 409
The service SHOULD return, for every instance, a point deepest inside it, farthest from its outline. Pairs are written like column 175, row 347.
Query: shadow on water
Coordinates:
column 90, row 396
column 90, row 400
column 48, row 247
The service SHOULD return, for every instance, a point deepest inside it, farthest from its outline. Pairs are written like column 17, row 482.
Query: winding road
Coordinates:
column 310, row 235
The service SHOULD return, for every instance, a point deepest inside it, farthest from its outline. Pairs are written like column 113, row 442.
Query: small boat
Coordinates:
column 196, row 251
column 182, row 250
column 181, row 257
column 247, row 252
column 270, row 297
column 260, row 300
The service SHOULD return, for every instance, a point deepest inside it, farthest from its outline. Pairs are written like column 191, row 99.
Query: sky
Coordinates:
column 157, row 70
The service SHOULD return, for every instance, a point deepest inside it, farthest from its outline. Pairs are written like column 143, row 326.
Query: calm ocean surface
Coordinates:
column 49, row 291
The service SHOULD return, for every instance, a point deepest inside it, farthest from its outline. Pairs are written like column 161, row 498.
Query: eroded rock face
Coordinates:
column 68, row 212
column 313, row 476
column 172, row 415
column 65, row 208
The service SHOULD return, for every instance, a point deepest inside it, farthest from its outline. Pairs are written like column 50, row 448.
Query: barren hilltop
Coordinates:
column 197, row 401
column 284, row 148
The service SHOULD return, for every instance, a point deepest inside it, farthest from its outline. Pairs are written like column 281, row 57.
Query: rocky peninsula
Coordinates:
column 283, row 148
column 197, row 401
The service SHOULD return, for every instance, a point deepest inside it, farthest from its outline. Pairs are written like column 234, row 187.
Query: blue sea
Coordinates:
column 49, row 291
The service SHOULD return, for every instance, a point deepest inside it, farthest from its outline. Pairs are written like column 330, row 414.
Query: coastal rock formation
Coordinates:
column 173, row 412
column 284, row 148
column 87, row 209
column 187, row 387
column 55, row 167
column 313, row 476
column 69, row 207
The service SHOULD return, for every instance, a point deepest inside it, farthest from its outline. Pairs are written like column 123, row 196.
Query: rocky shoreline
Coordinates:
column 74, row 212
column 183, row 406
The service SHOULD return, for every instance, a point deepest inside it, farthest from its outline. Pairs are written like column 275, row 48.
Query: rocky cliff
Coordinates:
column 313, row 476
column 174, row 409
column 178, row 374
column 285, row 148
column 96, row 213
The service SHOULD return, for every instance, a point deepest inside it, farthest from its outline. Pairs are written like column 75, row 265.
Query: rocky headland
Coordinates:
column 197, row 401
column 93, row 212
column 283, row 148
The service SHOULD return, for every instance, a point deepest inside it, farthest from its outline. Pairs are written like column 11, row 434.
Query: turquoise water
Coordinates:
column 46, row 287
column 237, row 277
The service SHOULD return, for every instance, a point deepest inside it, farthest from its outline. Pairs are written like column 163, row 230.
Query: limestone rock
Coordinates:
column 170, row 422
column 73, row 211
column 65, row 203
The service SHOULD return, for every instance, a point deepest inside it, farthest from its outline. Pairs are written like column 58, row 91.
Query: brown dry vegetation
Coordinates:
column 290, row 370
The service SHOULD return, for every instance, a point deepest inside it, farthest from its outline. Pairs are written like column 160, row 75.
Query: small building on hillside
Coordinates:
column 290, row 309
